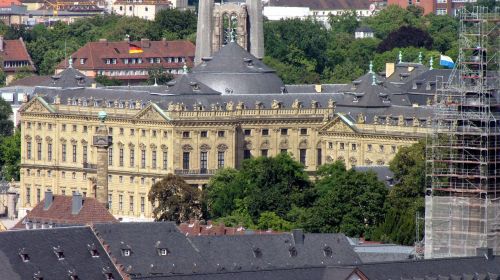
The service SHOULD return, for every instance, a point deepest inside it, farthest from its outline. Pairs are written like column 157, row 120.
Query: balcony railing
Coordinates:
column 195, row 172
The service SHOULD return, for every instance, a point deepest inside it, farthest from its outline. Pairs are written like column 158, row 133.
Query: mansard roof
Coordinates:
column 68, row 78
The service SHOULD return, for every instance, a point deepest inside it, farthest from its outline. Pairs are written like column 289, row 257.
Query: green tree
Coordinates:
column 274, row 184
column 345, row 22
column 349, row 201
column 159, row 76
column 173, row 24
column 391, row 19
column 406, row 36
column 269, row 220
column 175, row 200
column 10, row 155
column 6, row 125
column 406, row 198
column 107, row 81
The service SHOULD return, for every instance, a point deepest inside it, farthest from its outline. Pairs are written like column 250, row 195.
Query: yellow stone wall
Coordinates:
column 175, row 132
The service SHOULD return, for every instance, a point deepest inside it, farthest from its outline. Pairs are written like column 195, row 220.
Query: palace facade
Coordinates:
column 228, row 108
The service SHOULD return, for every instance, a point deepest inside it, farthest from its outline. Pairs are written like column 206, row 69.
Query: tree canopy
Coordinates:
column 175, row 200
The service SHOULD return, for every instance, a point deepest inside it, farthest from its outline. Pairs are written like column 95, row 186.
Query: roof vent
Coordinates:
column 72, row 274
column 93, row 250
column 194, row 85
column 293, row 251
column 37, row 275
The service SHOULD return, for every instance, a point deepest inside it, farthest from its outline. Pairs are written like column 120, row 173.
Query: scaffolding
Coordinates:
column 462, row 203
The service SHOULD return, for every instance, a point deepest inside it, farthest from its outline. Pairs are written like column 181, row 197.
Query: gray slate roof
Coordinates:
column 233, row 70
column 383, row 173
column 68, row 78
column 214, row 254
column 75, row 243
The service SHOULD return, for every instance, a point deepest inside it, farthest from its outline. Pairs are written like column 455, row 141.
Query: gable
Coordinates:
column 37, row 105
column 339, row 124
column 152, row 113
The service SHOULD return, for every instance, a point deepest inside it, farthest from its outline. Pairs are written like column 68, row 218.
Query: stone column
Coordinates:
column 204, row 30
column 254, row 8
column 102, row 141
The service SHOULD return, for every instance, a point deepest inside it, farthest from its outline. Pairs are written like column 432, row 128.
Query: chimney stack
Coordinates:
column 77, row 203
column 48, row 200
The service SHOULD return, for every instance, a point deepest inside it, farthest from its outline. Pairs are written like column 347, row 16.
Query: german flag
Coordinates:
column 134, row 49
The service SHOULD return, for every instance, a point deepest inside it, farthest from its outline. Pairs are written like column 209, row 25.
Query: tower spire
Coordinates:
column 371, row 67
column 431, row 63
column 420, row 57
column 400, row 57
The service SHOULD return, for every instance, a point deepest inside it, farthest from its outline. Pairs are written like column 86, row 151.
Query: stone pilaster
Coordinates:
column 102, row 141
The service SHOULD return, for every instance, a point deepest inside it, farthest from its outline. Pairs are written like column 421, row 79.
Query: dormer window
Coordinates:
column 94, row 253
column 126, row 252
column 82, row 60
column 109, row 276
column 327, row 251
column 25, row 257
column 163, row 251
column 257, row 253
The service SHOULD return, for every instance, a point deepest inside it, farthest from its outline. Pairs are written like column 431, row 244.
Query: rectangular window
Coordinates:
column 120, row 179
column 221, row 133
column 63, row 152
column 354, row 147
column 185, row 134
column 120, row 202
column 49, row 151
column 204, row 134
column 302, row 156
column 342, row 146
column 203, row 162
column 153, row 159
column 303, row 131
column 143, row 204
column 110, row 156
column 84, row 154
column 85, row 129
column 120, row 157
column 153, row 133
column 49, row 126
column 264, row 152
column 381, row 147
column 38, row 195
column 74, row 153
column 143, row 132
column 284, row 131
column 247, row 132
column 131, row 179
column 131, row 203
column 330, row 145
column 143, row 158
column 28, row 195
column 132, row 132
column 63, row 127
column 39, row 151
column 319, row 156
column 165, row 159
column 369, row 147
column 220, row 159
column 393, row 149
column 74, row 128
column 121, row 130
column 165, row 134
column 132, row 157
column 28, row 150
column 265, row 132
column 185, row 160
column 110, row 199
column 247, row 154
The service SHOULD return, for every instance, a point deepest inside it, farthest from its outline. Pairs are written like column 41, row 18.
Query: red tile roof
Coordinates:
column 324, row 4
column 15, row 50
column 96, row 53
column 8, row 3
column 59, row 213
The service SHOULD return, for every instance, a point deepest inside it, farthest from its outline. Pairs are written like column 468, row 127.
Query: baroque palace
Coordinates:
column 228, row 108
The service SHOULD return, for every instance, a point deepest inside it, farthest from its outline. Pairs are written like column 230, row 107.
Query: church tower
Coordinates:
column 221, row 23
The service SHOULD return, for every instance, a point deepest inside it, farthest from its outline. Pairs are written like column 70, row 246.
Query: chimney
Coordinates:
column 298, row 236
column 77, row 203
column 389, row 69
column 48, row 199
column 1, row 43
column 485, row 252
